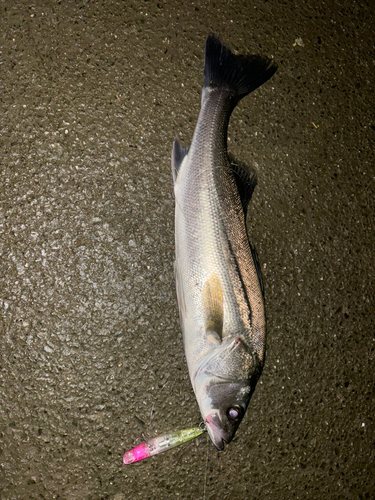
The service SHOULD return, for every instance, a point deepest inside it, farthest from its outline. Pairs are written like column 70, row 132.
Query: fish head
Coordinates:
column 223, row 384
column 224, row 409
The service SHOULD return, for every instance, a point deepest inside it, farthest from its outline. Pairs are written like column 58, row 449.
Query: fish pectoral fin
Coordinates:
column 178, row 154
column 257, row 267
column 245, row 179
column 213, row 306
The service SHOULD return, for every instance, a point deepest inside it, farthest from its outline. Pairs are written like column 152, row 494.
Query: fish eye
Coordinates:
column 234, row 413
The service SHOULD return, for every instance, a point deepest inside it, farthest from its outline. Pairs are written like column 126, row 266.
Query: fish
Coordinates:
column 217, row 272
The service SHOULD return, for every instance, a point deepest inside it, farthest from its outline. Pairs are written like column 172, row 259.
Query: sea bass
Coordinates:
column 218, row 279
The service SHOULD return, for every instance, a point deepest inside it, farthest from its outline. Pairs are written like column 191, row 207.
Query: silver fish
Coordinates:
column 218, row 280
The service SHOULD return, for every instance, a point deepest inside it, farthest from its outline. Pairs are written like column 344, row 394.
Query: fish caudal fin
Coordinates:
column 239, row 74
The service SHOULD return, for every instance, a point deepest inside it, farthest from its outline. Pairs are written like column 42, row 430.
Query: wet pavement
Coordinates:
column 92, row 362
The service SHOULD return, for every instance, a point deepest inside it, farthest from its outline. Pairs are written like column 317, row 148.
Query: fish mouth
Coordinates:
column 216, row 433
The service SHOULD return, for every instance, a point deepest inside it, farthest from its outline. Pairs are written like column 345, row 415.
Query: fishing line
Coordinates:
column 205, row 473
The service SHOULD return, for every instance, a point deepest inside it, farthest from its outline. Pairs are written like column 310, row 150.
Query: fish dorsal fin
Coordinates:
column 257, row 267
column 178, row 154
column 213, row 306
column 245, row 179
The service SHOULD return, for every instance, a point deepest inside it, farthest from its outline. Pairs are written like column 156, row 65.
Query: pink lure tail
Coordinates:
column 136, row 454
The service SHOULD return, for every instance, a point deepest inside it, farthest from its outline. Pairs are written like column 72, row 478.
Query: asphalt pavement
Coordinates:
column 92, row 94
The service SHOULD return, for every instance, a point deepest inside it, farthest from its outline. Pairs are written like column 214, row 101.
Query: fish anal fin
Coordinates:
column 178, row 154
column 245, row 179
column 213, row 306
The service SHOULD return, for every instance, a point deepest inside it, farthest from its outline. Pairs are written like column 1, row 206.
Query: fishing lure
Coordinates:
column 159, row 444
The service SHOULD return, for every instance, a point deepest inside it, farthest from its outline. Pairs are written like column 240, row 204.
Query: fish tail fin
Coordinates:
column 237, row 73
